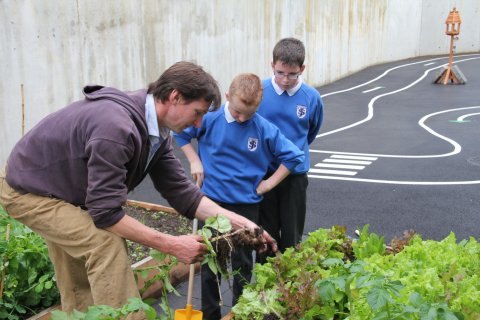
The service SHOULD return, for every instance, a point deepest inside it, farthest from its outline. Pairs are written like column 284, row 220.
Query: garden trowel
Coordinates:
column 188, row 313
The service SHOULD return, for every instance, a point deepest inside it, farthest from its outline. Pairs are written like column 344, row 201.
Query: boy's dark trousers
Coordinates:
column 282, row 212
column 242, row 264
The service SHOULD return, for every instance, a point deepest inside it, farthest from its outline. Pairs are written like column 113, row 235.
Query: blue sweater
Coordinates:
column 298, row 117
column 236, row 156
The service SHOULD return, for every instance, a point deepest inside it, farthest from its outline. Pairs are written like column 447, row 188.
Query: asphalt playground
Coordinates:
column 396, row 151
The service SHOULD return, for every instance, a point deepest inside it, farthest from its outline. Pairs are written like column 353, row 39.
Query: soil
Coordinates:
column 165, row 222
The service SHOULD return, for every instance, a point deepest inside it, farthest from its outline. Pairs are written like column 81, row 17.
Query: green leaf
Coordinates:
column 330, row 262
column 220, row 223
column 326, row 290
column 213, row 266
column 377, row 298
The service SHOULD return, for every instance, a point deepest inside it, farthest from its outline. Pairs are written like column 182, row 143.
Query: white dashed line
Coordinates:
column 373, row 89
column 348, row 161
column 339, row 172
column 339, row 166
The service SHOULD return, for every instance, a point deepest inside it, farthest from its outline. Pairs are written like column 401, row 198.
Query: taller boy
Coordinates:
column 297, row 110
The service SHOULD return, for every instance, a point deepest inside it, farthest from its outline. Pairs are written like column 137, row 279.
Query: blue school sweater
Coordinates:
column 298, row 117
column 236, row 156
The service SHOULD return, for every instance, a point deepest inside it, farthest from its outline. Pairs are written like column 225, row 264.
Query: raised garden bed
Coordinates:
column 331, row 276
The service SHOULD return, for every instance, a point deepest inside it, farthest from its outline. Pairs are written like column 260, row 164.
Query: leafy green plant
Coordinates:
column 104, row 312
column 218, row 225
column 162, row 273
column 416, row 280
column 28, row 275
column 368, row 244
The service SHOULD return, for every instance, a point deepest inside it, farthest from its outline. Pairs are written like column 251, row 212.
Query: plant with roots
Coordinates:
column 222, row 241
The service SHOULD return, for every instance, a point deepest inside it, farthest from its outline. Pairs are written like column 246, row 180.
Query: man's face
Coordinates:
column 239, row 110
column 183, row 115
column 286, row 76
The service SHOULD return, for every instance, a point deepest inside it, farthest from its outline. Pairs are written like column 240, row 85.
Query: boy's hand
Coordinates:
column 264, row 187
column 196, row 169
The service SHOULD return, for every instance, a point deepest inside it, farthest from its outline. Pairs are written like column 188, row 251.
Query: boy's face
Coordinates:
column 286, row 75
column 239, row 110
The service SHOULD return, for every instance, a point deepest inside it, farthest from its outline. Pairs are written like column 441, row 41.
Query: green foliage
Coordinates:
column 104, row 312
column 426, row 280
column 368, row 244
column 218, row 224
column 29, row 282
column 162, row 273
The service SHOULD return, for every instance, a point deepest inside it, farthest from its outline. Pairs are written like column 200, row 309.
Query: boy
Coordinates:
column 235, row 146
column 297, row 110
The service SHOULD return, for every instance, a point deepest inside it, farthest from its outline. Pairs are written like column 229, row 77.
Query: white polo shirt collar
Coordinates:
column 291, row 91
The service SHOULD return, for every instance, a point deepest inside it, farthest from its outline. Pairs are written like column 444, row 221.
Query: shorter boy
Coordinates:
column 235, row 148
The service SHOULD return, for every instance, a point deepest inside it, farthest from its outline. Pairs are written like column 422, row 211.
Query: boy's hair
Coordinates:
column 248, row 88
column 289, row 51
column 190, row 80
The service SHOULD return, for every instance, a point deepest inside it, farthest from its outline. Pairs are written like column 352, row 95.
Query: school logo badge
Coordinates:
column 301, row 111
column 252, row 144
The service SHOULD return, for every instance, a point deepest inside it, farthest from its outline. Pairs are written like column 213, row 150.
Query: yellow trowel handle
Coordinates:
column 191, row 274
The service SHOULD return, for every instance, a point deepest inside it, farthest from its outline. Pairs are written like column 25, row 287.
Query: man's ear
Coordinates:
column 302, row 68
column 174, row 97
column 227, row 96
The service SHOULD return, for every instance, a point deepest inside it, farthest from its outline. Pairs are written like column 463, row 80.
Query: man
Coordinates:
column 69, row 176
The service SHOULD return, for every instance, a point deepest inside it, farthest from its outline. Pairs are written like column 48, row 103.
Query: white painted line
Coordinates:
column 347, row 161
column 462, row 118
column 427, row 64
column 341, row 156
column 424, row 183
column 373, row 100
column 391, row 69
column 325, row 171
column 373, row 89
column 339, row 166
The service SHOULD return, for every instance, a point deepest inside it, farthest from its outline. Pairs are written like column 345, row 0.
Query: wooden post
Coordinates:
column 451, row 75
column 23, row 110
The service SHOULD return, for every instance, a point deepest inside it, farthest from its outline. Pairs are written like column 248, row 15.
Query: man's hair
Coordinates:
column 289, row 51
column 191, row 81
column 247, row 87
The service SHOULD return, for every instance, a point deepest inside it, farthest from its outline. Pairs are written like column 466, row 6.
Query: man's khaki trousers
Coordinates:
column 91, row 264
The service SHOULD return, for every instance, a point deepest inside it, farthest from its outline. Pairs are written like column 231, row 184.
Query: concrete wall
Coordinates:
column 54, row 48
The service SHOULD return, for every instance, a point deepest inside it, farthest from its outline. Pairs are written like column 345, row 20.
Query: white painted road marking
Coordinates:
column 347, row 161
column 341, row 156
column 339, row 166
column 337, row 161
column 456, row 146
column 373, row 89
column 340, row 172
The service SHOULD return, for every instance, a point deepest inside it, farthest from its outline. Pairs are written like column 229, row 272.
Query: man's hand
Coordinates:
column 188, row 248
